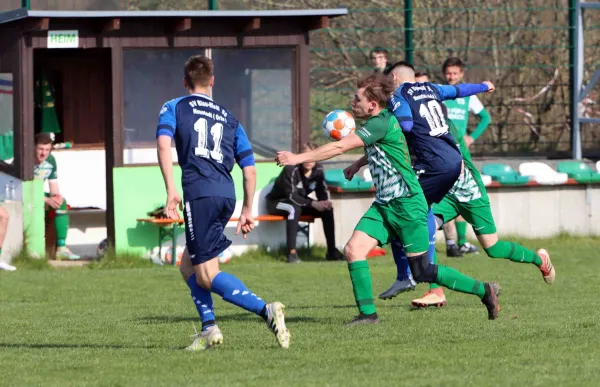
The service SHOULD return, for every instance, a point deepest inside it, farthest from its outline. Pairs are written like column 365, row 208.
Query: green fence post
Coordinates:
column 212, row 5
column 408, row 31
column 26, row 4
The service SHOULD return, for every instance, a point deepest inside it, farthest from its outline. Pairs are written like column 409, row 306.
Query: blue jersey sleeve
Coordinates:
column 399, row 106
column 447, row 91
column 167, row 123
column 244, row 155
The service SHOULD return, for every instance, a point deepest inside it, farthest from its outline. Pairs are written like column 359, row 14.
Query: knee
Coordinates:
column 422, row 270
column 494, row 251
column 204, row 281
column 352, row 251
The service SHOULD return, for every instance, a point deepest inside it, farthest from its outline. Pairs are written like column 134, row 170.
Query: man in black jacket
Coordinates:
column 289, row 197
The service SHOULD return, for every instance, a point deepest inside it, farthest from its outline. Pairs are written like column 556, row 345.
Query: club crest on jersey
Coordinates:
column 312, row 186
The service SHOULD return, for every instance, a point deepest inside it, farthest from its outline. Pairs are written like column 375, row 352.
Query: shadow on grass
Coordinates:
column 220, row 318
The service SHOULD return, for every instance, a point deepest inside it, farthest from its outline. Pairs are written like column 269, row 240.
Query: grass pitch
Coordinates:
column 127, row 327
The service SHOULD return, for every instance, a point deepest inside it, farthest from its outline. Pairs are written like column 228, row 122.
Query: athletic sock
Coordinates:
column 461, row 232
column 514, row 252
column 455, row 280
column 61, row 223
column 402, row 267
column 203, row 303
column 362, row 286
column 235, row 292
column 431, row 227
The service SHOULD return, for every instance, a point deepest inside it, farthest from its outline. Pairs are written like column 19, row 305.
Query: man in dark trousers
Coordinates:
column 289, row 197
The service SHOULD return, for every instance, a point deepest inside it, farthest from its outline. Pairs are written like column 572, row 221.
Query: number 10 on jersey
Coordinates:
column 216, row 131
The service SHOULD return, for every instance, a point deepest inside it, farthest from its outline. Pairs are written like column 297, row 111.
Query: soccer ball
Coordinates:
column 338, row 124
column 225, row 256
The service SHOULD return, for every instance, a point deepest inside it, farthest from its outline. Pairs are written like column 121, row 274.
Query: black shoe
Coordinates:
column 453, row 251
column 468, row 248
column 335, row 255
column 364, row 319
column 490, row 300
column 293, row 258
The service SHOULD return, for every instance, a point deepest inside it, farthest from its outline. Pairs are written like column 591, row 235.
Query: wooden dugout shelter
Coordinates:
column 91, row 57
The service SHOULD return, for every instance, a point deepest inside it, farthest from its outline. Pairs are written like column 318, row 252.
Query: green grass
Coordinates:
column 127, row 327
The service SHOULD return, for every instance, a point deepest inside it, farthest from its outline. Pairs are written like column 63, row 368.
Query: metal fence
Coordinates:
column 524, row 47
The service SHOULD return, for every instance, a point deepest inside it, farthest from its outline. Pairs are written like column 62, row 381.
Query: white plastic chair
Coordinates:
column 486, row 179
column 542, row 173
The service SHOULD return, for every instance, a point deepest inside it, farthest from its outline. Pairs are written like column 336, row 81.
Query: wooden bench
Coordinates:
column 167, row 228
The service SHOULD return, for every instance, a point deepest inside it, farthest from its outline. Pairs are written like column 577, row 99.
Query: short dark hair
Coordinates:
column 378, row 50
column 378, row 88
column 401, row 63
column 42, row 139
column 421, row 74
column 198, row 71
column 453, row 62
column 310, row 145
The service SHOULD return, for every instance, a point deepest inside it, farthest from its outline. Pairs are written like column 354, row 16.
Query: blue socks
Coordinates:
column 234, row 291
column 402, row 268
column 203, row 302
column 431, row 227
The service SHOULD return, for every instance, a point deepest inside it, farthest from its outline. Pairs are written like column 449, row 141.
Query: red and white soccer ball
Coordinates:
column 225, row 256
column 338, row 124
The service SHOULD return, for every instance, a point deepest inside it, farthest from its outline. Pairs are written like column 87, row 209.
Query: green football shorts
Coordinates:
column 402, row 218
column 477, row 212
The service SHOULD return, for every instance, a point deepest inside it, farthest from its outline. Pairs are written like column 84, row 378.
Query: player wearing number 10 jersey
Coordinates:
column 417, row 106
column 208, row 140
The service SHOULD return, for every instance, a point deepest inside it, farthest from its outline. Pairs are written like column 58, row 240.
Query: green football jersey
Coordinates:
column 469, row 185
column 459, row 109
column 46, row 170
column 388, row 158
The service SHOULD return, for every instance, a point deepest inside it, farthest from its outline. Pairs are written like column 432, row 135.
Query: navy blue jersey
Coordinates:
column 429, row 140
column 209, row 140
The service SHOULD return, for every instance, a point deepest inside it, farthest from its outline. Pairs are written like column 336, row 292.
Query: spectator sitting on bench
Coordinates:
column 289, row 197
column 45, row 168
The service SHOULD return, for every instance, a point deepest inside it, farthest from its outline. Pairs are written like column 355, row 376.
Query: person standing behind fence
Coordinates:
column 379, row 59
column 458, row 113
column 289, row 197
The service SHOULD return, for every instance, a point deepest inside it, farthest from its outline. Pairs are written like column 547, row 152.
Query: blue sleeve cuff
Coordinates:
column 164, row 132
column 468, row 89
column 247, row 161
column 406, row 125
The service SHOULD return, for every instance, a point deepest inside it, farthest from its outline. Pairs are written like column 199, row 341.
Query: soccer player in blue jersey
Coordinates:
column 209, row 140
column 417, row 106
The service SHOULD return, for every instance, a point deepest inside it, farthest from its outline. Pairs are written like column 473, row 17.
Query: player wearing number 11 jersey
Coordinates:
column 209, row 140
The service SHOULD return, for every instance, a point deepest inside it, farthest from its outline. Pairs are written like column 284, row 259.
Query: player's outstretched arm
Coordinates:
column 324, row 152
column 246, row 221
column 350, row 171
column 166, row 167
column 464, row 90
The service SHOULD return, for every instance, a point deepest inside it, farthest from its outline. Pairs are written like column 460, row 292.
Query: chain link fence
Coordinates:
column 521, row 46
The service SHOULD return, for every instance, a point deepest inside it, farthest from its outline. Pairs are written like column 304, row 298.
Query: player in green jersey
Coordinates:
column 400, row 208
column 468, row 198
column 45, row 169
column 458, row 113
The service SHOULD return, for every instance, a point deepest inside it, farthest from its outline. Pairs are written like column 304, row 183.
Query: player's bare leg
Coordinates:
column 356, row 251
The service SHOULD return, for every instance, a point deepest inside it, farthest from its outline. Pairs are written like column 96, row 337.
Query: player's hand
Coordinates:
column 173, row 202
column 468, row 140
column 350, row 171
column 245, row 223
column 327, row 204
column 490, row 86
column 286, row 158
column 319, row 205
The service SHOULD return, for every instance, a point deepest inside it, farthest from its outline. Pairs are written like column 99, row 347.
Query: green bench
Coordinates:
column 579, row 171
column 504, row 174
column 335, row 178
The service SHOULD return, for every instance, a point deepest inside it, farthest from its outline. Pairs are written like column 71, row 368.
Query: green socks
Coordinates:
column 61, row 223
column 362, row 286
column 461, row 232
column 514, row 252
column 455, row 280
